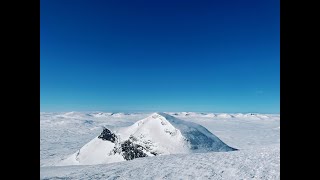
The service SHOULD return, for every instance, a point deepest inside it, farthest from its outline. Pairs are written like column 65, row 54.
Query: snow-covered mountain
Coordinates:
column 157, row 134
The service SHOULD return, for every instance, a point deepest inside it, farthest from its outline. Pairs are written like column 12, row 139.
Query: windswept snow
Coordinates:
column 248, row 164
column 257, row 136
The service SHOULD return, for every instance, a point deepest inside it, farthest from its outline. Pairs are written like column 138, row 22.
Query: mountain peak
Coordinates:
column 160, row 114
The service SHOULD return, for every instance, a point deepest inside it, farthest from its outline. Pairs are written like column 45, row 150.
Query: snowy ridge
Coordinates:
column 200, row 139
column 156, row 133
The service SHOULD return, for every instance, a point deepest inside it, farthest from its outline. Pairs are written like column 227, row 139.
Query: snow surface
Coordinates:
column 260, row 163
column 257, row 136
column 165, row 138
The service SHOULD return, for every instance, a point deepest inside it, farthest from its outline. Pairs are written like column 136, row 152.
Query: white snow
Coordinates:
column 260, row 163
column 257, row 136
column 165, row 138
column 94, row 152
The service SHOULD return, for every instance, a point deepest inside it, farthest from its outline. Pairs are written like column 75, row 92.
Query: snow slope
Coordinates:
column 156, row 131
column 201, row 140
column 94, row 152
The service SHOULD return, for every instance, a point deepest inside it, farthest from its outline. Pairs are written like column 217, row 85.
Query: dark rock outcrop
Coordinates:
column 107, row 135
column 131, row 151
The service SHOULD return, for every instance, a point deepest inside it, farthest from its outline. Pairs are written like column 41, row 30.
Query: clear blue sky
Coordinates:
column 160, row 55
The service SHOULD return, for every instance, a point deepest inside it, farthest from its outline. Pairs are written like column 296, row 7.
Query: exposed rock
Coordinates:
column 131, row 151
column 107, row 135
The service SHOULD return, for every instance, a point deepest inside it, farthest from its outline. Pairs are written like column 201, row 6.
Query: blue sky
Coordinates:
column 160, row 55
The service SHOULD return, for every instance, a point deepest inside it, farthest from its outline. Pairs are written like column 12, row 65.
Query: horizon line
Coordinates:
column 149, row 111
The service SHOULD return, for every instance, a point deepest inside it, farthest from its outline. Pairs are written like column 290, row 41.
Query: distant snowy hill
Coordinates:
column 158, row 134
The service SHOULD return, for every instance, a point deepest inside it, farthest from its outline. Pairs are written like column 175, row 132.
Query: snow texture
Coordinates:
column 257, row 136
